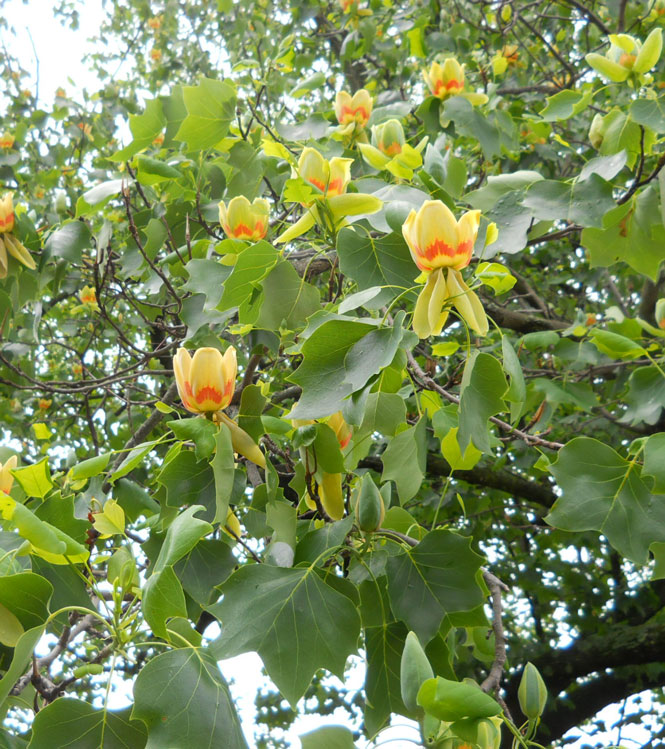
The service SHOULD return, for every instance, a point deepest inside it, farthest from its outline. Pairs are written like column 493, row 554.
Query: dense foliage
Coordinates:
column 422, row 416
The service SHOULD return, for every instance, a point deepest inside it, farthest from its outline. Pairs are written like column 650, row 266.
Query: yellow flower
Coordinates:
column 245, row 220
column 156, row 54
column 77, row 369
column 158, row 140
column 155, row 22
column 6, row 213
column 510, row 52
column 342, row 430
column 205, row 381
column 353, row 109
column 347, row 5
column 448, row 80
column 232, row 525
column 8, row 242
column 330, row 177
column 6, row 140
column 44, row 404
column 6, row 478
column 88, row 295
column 389, row 137
column 60, row 92
column 660, row 313
column 627, row 55
column 437, row 240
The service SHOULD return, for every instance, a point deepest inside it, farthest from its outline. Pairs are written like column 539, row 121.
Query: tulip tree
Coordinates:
column 427, row 239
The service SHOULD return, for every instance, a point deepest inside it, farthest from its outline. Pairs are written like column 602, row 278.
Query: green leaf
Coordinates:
column 646, row 396
column 583, row 202
column 182, row 536
column 151, row 171
column 601, row 491
column 470, row 122
column 162, row 599
column 654, row 465
column 565, row 104
column 111, row 520
column 516, row 394
column 252, row 266
column 370, row 262
column 496, row 276
column 145, row 128
column 35, row 480
column 97, row 197
column 330, row 737
column 292, row 619
column 513, row 220
column 483, row 389
column 322, row 371
column 615, row 345
column 27, row 596
column 88, row 468
column 184, row 701
column 22, row 654
column 207, row 565
column 404, row 460
column 455, row 700
column 433, row 581
column 650, row 113
column 287, row 299
column 383, row 651
column 134, row 458
column 188, row 480
column 210, row 108
column 326, row 450
column 200, row 431
column 223, row 468
column 252, row 405
column 70, row 722
column 207, row 277
column 69, row 241
column 621, row 132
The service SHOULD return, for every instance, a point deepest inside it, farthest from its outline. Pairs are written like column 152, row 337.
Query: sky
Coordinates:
column 53, row 54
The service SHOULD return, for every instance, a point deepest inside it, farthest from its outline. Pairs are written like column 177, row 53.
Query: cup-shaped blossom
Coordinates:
column 330, row 177
column 88, row 295
column 342, row 430
column 6, row 213
column 627, row 55
column 205, row 381
column 353, row 109
column 437, row 240
column 6, row 478
column 389, row 137
column 445, row 80
column 244, row 220
column 6, row 140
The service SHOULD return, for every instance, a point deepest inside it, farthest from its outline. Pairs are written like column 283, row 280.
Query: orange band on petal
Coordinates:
column 335, row 187
column 208, row 393
column 438, row 85
column 241, row 230
column 353, row 112
column 317, row 183
column 7, row 223
column 438, row 247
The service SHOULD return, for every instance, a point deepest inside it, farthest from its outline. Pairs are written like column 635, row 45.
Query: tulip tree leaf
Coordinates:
column 287, row 298
column 370, row 262
column 200, row 431
column 645, row 399
column 583, row 202
column 163, row 598
column 182, row 536
column 654, row 465
column 35, row 480
column 565, row 104
column 433, row 581
column 27, row 596
column 183, row 699
column 383, row 650
column 512, row 220
column 22, row 654
column 292, row 619
column 252, row 266
column 602, row 491
column 70, row 722
column 649, row 113
column 470, row 122
column 145, row 127
column 188, row 480
column 404, row 460
column 210, row 108
column 330, row 737
column 483, row 389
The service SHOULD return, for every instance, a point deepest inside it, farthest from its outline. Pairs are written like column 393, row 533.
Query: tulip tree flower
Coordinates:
column 660, row 314
column 6, row 478
column 244, row 220
column 8, row 242
column 390, row 151
column 329, row 485
column 206, row 383
column 329, row 204
column 627, row 56
column 6, row 140
column 448, row 80
column 353, row 112
column 437, row 241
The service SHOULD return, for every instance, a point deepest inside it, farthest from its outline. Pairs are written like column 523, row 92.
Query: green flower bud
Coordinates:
column 414, row 670
column 660, row 313
column 532, row 692
column 369, row 508
column 597, row 131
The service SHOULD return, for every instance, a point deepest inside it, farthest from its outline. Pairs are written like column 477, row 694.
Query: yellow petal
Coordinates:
column 15, row 248
column 435, row 312
column 6, row 478
column 300, row 227
column 332, row 498
column 207, row 380
column 3, row 259
column 182, row 364
column 313, row 168
column 436, row 235
column 467, row 303
column 467, row 231
column 420, row 323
